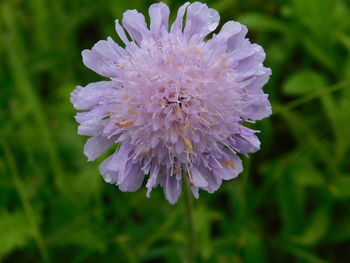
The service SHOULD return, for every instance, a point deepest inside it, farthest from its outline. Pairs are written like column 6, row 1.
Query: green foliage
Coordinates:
column 14, row 231
column 291, row 204
column 304, row 82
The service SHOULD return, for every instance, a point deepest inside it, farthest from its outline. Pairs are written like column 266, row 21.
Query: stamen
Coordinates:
column 144, row 154
column 176, row 170
column 121, row 65
column 230, row 163
column 124, row 124
column 127, row 97
column 188, row 144
column 189, row 174
column 184, row 128
column 198, row 51
column 132, row 111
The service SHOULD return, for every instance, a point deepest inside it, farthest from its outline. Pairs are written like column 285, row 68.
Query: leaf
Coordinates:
column 223, row 4
column 308, row 81
column 316, row 228
column 340, row 231
column 341, row 187
column 80, row 232
column 86, row 185
column 261, row 22
column 303, row 254
column 291, row 203
column 318, row 52
column 254, row 251
column 303, row 82
column 14, row 232
column 305, row 173
column 203, row 217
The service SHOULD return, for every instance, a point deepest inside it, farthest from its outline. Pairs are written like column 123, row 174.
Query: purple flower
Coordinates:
column 175, row 102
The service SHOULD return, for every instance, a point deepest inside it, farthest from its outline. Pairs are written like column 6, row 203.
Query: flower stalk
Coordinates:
column 191, row 230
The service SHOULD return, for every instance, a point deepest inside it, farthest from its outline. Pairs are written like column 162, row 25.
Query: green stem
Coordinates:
column 189, row 209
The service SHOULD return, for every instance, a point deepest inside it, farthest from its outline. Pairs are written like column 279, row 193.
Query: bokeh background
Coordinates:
column 291, row 203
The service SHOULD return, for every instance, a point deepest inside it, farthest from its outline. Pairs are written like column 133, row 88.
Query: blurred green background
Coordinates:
column 291, row 203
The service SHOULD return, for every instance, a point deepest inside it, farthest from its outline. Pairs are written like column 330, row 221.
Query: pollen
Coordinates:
column 230, row 163
column 127, row 97
column 176, row 170
column 132, row 111
column 184, row 128
column 121, row 65
column 124, row 124
column 198, row 51
column 188, row 144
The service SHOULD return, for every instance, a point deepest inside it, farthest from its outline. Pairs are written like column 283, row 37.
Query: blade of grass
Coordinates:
column 23, row 195
column 279, row 109
column 14, row 46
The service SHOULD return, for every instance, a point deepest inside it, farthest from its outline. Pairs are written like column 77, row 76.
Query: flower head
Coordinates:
column 175, row 103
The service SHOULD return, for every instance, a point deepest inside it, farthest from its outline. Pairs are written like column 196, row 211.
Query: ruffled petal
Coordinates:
column 108, row 175
column 259, row 81
column 153, row 179
column 213, row 182
column 230, row 168
column 259, row 107
column 176, row 27
column 229, row 36
column 172, row 189
column 103, row 57
column 121, row 32
column 200, row 20
column 120, row 159
column 91, row 127
column 197, row 178
column 135, row 23
column 195, row 190
column 95, row 146
column 84, row 98
column 159, row 15
column 113, row 169
column 134, row 178
column 245, row 141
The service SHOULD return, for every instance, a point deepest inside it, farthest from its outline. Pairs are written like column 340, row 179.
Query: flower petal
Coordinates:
column 245, row 141
column 213, row 181
column 91, row 127
column 135, row 23
column 103, row 57
column 95, row 146
column 260, row 107
column 231, row 169
column 108, row 175
column 172, row 189
column 121, row 32
column 229, row 36
column 176, row 27
column 84, row 98
column 134, row 178
column 159, row 15
column 153, row 179
column 197, row 178
column 200, row 20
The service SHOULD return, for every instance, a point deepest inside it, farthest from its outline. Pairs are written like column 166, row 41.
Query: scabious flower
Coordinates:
column 175, row 103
